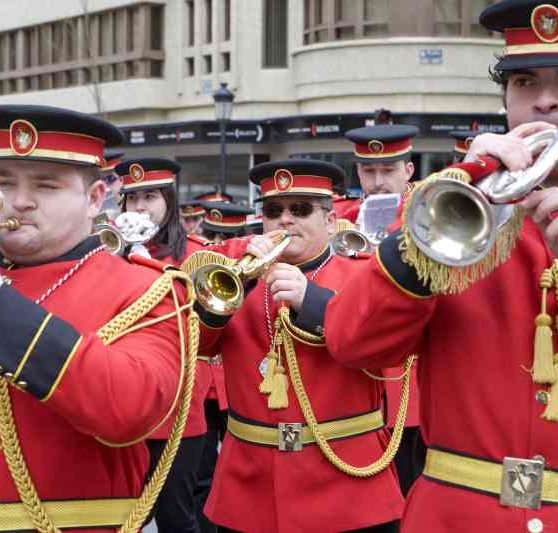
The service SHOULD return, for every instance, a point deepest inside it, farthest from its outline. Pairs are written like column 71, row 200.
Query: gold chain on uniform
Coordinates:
column 120, row 325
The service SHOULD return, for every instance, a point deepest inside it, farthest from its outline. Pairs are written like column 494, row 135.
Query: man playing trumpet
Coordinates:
column 76, row 397
column 272, row 475
column 489, row 400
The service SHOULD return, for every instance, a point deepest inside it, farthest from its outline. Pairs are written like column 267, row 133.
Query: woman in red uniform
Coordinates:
column 149, row 187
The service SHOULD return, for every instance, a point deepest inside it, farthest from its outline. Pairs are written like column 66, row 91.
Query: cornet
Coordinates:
column 130, row 231
column 350, row 242
column 220, row 289
column 456, row 224
column 10, row 224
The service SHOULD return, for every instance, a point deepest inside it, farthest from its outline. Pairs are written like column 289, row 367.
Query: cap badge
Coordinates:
column 136, row 172
column 283, row 179
column 216, row 215
column 23, row 137
column 375, row 146
column 544, row 21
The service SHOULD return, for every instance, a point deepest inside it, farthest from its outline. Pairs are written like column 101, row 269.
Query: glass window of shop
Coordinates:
column 201, row 174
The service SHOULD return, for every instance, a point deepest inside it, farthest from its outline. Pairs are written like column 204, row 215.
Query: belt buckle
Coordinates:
column 290, row 437
column 522, row 482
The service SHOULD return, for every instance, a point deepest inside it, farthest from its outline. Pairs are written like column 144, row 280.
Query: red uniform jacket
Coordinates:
column 347, row 207
column 261, row 489
column 477, row 398
column 76, row 387
column 196, row 424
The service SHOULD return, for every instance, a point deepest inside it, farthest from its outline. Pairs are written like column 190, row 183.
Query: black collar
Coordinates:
column 315, row 262
column 76, row 253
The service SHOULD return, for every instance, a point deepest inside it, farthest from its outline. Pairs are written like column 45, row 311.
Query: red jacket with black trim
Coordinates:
column 261, row 489
column 72, row 388
column 475, row 351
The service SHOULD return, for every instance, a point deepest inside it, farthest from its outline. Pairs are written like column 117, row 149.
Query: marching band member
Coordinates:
column 272, row 475
column 77, row 393
column 489, row 403
column 383, row 158
column 149, row 187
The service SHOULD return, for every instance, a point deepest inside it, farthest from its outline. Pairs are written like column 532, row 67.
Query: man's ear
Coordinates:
column 409, row 169
column 96, row 193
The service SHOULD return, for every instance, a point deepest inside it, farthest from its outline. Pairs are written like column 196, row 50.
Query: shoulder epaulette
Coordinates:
column 149, row 262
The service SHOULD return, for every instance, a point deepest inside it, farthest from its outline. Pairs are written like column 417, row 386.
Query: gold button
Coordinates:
column 22, row 384
column 535, row 526
column 542, row 397
column 9, row 376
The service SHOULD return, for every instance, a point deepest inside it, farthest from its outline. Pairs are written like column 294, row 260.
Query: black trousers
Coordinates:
column 175, row 509
column 216, row 428
column 409, row 459
column 390, row 527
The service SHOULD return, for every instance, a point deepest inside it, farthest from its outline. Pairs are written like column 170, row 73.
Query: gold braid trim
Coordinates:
column 112, row 331
column 203, row 258
column 297, row 333
column 443, row 279
column 366, row 471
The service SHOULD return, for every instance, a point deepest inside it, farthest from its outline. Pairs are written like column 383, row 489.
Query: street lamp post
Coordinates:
column 223, row 99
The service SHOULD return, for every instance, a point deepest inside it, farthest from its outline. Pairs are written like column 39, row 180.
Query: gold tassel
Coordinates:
column 278, row 399
column 543, row 367
column 543, row 361
column 551, row 411
column 443, row 279
column 267, row 382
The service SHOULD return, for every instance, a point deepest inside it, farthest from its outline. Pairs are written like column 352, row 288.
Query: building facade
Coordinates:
column 302, row 71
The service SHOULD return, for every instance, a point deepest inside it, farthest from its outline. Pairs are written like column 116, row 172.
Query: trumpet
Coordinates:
column 456, row 224
column 220, row 288
column 130, row 231
column 350, row 242
column 11, row 223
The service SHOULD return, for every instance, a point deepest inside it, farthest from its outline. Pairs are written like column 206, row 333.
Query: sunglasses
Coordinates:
column 273, row 210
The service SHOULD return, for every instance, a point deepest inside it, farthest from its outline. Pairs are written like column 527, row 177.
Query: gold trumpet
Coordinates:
column 11, row 223
column 220, row 289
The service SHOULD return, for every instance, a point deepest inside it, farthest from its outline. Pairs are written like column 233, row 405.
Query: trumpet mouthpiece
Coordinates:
column 11, row 224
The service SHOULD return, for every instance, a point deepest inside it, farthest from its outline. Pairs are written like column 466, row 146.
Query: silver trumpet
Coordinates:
column 128, row 234
column 350, row 242
column 456, row 224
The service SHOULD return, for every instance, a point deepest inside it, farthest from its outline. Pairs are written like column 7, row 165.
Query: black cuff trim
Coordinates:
column 400, row 273
column 312, row 311
column 36, row 346
column 210, row 319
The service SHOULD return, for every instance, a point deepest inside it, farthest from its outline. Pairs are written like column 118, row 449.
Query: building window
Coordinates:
column 375, row 18
column 208, row 16
column 92, row 48
column 225, row 62
column 460, row 17
column 207, row 64
column 275, row 33
column 227, row 20
column 190, row 71
column 190, row 22
column 333, row 20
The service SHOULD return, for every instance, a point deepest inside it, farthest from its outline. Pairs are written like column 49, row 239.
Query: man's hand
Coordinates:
column 261, row 245
column 287, row 284
column 541, row 206
column 510, row 149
